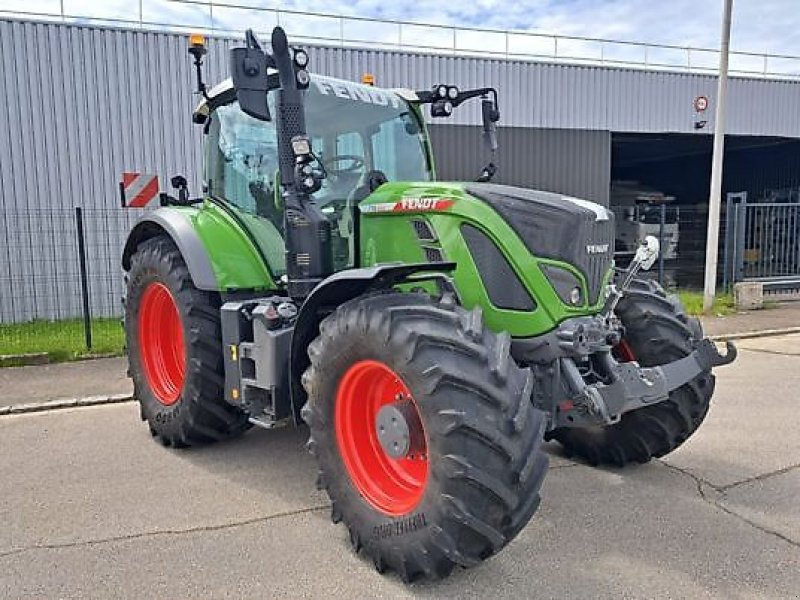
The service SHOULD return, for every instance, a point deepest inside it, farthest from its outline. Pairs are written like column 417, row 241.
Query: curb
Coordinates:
column 746, row 335
column 44, row 358
column 18, row 409
column 20, row 360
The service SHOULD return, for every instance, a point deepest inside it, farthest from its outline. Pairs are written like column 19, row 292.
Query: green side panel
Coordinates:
column 388, row 236
column 269, row 240
column 235, row 260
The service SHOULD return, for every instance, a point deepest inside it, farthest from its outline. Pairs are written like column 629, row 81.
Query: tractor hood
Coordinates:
column 557, row 227
column 547, row 228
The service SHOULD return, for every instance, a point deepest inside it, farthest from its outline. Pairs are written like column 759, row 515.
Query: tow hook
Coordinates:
column 708, row 354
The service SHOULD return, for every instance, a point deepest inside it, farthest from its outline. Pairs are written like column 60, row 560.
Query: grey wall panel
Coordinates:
column 577, row 163
column 135, row 86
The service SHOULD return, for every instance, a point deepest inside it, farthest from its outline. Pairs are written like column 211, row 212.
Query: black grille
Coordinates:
column 291, row 122
column 501, row 282
column 594, row 264
column 433, row 255
column 423, row 231
column 552, row 226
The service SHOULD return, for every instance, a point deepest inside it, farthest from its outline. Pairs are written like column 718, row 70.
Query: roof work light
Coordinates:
column 197, row 45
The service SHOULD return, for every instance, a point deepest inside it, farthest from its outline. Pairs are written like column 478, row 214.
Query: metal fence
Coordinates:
column 61, row 279
column 763, row 243
column 682, row 238
column 227, row 18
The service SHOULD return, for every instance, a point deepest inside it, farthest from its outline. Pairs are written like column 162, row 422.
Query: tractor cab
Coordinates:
column 362, row 137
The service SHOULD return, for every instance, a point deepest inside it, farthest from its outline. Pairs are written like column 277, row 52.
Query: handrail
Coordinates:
column 333, row 29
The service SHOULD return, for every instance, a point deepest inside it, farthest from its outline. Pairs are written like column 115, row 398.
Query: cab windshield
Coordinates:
column 357, row 129
column 357, row 132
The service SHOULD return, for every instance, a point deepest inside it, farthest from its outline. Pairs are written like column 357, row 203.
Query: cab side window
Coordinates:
column 242, row 162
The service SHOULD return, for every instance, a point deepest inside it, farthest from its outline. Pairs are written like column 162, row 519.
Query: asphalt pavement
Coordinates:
column 91, row 506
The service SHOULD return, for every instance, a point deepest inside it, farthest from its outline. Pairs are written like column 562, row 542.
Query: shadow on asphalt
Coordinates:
column 273, row 462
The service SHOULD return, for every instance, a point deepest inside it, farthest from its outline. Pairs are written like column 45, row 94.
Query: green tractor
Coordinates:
column 430, row 334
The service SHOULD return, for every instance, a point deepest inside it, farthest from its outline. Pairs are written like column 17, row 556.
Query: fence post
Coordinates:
column 741, row 232
column 730, row 235
column 87, row 317
column 661, row 221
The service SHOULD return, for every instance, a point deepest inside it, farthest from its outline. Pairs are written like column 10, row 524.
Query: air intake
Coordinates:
column 501, row 282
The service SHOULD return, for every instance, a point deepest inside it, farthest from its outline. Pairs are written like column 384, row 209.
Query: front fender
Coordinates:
column 338, row 289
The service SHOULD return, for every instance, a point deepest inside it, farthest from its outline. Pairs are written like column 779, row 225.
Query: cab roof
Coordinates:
column 224, row 93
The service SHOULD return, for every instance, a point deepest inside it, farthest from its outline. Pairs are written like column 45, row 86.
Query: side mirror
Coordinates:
column 249, row 75
column 178, row 182
column 490, row 116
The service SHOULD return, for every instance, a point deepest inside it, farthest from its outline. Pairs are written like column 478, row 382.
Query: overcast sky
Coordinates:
column 759, row 25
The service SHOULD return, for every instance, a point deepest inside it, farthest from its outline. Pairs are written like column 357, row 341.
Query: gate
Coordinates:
column 762, row 243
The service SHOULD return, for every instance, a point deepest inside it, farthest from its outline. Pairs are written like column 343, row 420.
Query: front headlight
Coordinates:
column 575, row 295
column 565, row 283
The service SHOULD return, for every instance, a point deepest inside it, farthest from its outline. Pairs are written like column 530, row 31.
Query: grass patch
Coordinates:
column 693, row 301
column 62, row 340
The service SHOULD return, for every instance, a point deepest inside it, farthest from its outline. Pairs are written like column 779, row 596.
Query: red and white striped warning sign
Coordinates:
column 138, row 189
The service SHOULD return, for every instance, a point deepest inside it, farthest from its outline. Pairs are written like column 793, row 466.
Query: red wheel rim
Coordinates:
column 392, row 486
column 161, row 343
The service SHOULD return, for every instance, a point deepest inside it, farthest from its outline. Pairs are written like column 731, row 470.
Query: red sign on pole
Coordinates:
column 137, row 189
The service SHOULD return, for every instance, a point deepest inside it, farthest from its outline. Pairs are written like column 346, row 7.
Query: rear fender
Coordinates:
column 221, row 248
column 174, row 224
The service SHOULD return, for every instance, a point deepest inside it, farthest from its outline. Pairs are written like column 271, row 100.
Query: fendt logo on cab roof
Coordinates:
column 596, row 248
column 422, row 204
column 357, row 93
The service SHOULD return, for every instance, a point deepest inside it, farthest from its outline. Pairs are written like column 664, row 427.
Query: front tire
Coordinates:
column 175, row 350
column 657, row 331
column 472, row 481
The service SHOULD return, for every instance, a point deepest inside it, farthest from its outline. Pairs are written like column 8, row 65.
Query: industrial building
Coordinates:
column 85, row 103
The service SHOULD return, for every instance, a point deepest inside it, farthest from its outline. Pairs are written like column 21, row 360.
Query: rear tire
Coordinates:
column 483, row 460
column 175, row 350
column 657, row 331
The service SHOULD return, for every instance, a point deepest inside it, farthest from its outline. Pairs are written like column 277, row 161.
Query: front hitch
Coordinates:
column 630, row 386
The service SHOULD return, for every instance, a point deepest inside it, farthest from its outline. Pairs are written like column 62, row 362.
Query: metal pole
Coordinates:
column 87, row 317
column 712, row 239
column 661, row 221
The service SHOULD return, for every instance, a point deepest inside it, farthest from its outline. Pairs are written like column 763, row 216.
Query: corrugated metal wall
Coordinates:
column 573, row 162
column 559, row 96
column 100, row 100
